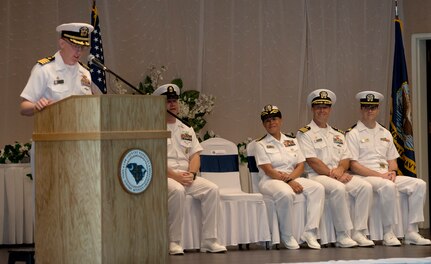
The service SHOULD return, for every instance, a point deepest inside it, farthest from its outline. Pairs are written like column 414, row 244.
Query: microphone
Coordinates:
column 95, row 61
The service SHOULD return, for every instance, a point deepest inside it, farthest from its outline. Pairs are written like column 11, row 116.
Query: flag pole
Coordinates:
column 396, row 9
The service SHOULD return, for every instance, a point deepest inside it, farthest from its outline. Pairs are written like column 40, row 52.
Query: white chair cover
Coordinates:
column 16, row 204
column 244, row 214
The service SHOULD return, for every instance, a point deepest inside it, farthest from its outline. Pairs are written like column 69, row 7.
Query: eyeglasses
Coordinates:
column 76, row 47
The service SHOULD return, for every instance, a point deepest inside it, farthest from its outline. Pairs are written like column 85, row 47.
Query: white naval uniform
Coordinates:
column 329, row 145
column 56, row 80
column 283, row 156
column 373, row 148
column 181, row 146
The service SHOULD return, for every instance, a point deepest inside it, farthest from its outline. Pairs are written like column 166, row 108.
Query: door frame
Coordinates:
column 419, row 115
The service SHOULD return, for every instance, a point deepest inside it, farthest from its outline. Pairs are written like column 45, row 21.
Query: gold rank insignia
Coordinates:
column 364, row 140
column 385, row 139
column 270, row 146
column 305, row 129
column 338, row 130
column 318, row 140
column 46, row 60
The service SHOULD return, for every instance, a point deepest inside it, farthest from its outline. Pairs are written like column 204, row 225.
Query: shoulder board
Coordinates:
column 46, row 60
column 304, row 129
column 261, row 138
column 291, row 135
column 338, row 130
column 382, row 125
column 352, row 127
column 84, row 65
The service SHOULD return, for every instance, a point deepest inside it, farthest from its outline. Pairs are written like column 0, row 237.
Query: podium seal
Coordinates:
column 136, row 171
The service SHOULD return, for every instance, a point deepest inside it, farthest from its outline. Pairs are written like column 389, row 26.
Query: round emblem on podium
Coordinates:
column 136, row 171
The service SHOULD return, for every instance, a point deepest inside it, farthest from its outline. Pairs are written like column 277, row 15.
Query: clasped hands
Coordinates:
column 340, row 175
column 184, row 177
column 296, row 187
column 390, row 175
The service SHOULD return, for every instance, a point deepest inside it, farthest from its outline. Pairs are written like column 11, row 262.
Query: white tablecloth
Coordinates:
column 16, row 204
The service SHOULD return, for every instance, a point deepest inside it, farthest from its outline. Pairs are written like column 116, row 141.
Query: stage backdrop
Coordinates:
column 246, row 53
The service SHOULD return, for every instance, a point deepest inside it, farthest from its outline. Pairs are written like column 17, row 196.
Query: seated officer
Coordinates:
column 328, row 158
column 281, row 165
column 374, row 157
column 183, row 165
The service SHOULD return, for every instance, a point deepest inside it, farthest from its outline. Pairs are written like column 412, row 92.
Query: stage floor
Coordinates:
column 258, row 255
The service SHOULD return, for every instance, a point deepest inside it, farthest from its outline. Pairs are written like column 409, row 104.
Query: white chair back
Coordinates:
column 219, row 164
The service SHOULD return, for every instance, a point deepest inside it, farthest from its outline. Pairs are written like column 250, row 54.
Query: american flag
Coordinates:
column 97, row 74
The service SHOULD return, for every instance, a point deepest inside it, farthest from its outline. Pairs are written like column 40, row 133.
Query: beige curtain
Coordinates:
column 248, row 53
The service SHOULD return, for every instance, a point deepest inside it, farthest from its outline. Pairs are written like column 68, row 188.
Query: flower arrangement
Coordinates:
column 193, row 104
column 242, row 150
column 17, row 153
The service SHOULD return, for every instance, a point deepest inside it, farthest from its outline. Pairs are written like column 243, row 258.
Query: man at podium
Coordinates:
column 183, row 165
column 56, row 77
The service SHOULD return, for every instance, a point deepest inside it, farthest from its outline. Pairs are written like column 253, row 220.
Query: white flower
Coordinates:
column 184, row 109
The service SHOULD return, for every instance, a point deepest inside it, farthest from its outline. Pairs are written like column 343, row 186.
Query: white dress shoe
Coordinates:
column 310, row 239
column 290, row 243
column 390, row 240
column 175, row 249
column 413, row 238
column 344, row 241
column 362, row 240
column 212, row 246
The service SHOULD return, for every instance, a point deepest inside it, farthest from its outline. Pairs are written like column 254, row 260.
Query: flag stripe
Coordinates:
column 97, row 74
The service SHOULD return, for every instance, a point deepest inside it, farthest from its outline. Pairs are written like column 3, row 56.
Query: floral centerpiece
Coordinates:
column 17, row 153
column 194, row 105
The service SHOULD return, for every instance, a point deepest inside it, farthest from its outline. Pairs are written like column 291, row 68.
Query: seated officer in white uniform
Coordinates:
column 374, row 156
column 328, row 158
column 183, row 165
column 281, row 165
column 56, row 77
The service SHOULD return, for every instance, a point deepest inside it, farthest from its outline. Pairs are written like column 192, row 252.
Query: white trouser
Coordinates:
column 284, row 196
column 201, row 189
column 335, row 191
column 415, row 190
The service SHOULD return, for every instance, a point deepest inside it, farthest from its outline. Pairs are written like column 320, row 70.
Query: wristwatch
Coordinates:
column 194, row 174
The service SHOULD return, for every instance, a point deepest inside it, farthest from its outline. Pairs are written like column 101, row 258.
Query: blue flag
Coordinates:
column 401, row 109
column 97, row 74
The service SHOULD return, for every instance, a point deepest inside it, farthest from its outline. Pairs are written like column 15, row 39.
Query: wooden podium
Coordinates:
column 83, row 212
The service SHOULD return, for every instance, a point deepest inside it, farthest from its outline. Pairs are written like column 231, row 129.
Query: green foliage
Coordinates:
column 16, row 153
